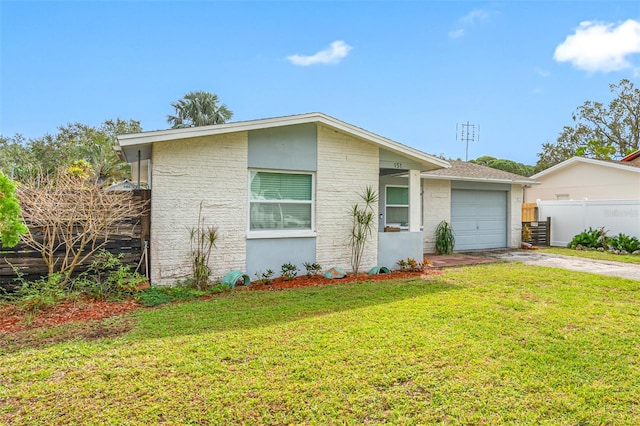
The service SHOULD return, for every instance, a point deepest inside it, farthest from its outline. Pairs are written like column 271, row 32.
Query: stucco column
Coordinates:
column 414, row 201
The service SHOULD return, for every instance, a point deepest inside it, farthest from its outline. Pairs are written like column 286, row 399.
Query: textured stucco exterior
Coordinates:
column 437, row 207
column 591, row 180
column 211, row 170
column 345, row 167
column 514, row 221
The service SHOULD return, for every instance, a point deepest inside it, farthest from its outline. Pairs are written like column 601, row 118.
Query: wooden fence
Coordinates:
column 537, row 232
column 129, row 238
column 529, row 212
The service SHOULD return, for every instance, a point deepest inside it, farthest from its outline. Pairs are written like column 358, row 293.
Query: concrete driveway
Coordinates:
column 601, row 267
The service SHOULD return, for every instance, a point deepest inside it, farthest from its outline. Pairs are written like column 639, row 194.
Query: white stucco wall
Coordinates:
column 437, row 207
column 514, row 230
column 583, row 180
column 212, row 170
column 345, row 167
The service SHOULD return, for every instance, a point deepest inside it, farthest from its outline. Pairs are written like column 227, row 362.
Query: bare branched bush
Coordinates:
column 70, row 219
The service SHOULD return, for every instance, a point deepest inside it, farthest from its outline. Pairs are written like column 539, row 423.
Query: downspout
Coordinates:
column 138, row 168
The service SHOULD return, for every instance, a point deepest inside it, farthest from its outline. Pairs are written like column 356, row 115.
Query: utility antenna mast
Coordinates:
column 467, row 134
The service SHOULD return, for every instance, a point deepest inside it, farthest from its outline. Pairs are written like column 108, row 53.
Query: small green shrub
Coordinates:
column 312, row 268
column 623, row 243
column 159, row 295
column 37, row 295
column 445, row 239
column 591, row 238
column 289, row 271
column 11, row 222
column 265, row 277
column 410, row 265
column 107, row 278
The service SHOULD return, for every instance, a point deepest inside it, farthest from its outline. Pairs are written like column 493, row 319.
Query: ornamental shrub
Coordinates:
column 11, row 222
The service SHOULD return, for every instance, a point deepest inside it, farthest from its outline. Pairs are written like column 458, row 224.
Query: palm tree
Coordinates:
column 198, row 109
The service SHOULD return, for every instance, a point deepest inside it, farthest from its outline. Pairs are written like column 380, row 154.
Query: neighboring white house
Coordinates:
column 582, row 193
column 280, row 190
column 578, row 178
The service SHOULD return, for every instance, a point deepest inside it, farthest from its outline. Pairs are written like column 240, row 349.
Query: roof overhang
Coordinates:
column 523, row 181
column 631, row 156
column 137, row 146
column 576, row 160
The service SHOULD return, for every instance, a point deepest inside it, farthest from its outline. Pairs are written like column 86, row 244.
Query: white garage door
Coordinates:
column 479, row 219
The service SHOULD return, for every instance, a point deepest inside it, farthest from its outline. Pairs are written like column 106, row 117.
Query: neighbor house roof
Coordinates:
column 137, row 146
column 631, row 156
column 461, row 170
column 602, row 163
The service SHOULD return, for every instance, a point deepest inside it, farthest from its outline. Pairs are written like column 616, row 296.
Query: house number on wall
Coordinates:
column 397, row 165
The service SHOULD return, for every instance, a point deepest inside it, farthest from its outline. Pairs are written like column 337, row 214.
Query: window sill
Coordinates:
column 256, row 235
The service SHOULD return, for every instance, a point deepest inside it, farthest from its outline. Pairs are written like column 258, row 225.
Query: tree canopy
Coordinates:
column 600, row 131
column 198, row 108
column 505, row 165
column 27, row 160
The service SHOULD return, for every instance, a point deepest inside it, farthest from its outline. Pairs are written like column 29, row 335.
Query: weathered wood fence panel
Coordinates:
column 529, row 212
column 540, row 232
column 128, row 238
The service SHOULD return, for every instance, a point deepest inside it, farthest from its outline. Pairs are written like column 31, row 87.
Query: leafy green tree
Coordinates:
column 606, row 132
column 11, row 224
column 16, row 160
column 198, row 108
column 72, row 142
column 505, row 165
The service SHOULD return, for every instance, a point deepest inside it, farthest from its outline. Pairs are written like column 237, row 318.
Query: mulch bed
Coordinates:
column 13, row 320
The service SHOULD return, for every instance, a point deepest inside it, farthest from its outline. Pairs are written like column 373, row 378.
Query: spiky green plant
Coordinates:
column 445, row 239
column 362, row 226
column 203, row 239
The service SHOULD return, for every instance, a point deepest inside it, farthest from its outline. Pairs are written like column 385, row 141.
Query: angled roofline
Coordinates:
column 523, row 181
column 631, row 156
column 133, row 143
column 573, row 160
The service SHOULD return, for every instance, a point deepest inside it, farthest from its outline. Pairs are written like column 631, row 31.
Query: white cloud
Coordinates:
column 474, row 16
column 456, row 34
column 601, row 47
column 332, row 55
column 467, row 20
column 542, row 72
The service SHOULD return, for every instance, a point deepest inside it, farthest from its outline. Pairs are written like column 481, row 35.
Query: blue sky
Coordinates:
column 409, row 71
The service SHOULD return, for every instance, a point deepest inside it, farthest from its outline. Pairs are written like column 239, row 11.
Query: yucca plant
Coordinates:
column 362, row 226
column 203, row 239
column 445, row 239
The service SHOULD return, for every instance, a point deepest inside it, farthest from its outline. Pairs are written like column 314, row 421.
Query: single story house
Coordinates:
column 280, row 190
column 580, row 178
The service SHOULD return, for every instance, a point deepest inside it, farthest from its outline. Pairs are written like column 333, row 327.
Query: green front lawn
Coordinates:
column 491, row 344
column 592, row 254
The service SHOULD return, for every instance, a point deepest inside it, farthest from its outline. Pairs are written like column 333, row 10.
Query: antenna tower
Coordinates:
column 467, row 134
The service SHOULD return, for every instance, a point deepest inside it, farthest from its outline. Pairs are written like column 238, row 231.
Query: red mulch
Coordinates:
column 13, row 320
column 319, row 280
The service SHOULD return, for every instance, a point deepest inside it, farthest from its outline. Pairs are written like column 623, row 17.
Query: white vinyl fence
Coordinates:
column 569, row 218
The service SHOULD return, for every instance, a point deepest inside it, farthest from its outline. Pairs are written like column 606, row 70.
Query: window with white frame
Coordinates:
column 280, row 201
column 397, row 206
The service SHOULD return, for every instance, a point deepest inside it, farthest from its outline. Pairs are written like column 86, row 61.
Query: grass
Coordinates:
column 489, row 344
column 592, row 254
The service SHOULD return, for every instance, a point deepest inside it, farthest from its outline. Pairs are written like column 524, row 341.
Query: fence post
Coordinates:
column 548, row 231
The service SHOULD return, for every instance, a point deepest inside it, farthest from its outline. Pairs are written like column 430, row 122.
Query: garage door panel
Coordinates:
column 479, row 219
